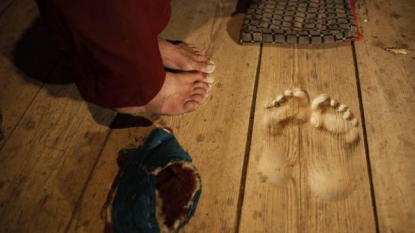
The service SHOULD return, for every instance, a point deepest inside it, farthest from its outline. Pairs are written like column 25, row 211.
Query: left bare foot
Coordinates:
column 185, row 57
column 181, row 93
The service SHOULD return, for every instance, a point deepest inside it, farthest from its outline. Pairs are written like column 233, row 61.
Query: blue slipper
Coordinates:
column 157, row 188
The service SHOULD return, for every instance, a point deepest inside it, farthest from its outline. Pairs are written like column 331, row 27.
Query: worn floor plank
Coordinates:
column 87, row 214
column 388, row 87
column 301, row 179
column 22, row 41
column 319, row 183
column 47, row 160
column 215, row 135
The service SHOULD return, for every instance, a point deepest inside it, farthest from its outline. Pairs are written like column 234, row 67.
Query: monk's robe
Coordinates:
column 111, row 47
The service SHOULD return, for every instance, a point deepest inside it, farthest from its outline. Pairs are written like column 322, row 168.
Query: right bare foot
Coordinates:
column 185, row 57
column 181, row 93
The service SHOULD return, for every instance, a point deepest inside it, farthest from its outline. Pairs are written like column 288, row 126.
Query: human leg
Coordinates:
column 115, row 57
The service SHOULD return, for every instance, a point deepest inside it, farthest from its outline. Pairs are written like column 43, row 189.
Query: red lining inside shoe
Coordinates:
column 176, row 185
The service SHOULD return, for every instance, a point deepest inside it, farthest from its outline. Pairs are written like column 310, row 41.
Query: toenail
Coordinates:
column 211, row 62
column 211, row 68
column 210, row 79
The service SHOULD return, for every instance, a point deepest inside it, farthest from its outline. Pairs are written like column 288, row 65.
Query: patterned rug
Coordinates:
column 299, row 22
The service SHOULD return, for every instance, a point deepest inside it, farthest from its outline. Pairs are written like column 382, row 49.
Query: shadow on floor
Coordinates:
column 35, row 55
column 37, row 58
column 235, row 23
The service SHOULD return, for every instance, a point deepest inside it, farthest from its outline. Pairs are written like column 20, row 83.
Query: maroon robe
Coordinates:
column 111, row 45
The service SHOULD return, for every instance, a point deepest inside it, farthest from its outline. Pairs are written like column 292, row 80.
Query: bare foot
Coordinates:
column 181, row 93
column 185, row 57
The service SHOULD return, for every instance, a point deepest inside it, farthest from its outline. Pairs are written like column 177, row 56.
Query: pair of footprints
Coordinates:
column 326, row 174
column 326, row 113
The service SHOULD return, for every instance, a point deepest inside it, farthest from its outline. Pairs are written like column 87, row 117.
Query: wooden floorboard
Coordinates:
column 87, row 214
column 388, row 87
column 58, row 157
column 303, row 179
column 215, row 135
column 47, row 159
column 23, row 40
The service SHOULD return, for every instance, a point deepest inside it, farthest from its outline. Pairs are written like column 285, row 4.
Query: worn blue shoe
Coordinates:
column 157, row 188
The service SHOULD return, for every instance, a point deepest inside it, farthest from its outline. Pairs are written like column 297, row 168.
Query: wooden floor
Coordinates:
column 58, row 153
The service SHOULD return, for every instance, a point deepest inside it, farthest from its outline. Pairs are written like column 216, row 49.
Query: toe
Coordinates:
column 197, row 98
column 205, row 67
column 201, row 91
column 198, row 50
column 201, row 88
column 202, row 84
column 210, row 68
column 189, row 45
column 193, row 77
column 190, row 106
column 201, row 58
column 209, row 79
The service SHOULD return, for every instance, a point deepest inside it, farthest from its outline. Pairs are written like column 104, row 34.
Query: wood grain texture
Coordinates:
column 87, row 213
column 47, row 160
column 388, row 87
column 302, row 179
column 56, row 171
column 23, row 40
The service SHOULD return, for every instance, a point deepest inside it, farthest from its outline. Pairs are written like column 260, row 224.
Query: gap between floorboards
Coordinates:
column 248, row 145
column 365, row 141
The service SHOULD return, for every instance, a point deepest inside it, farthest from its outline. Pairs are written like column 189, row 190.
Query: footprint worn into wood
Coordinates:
column 289, row 105
column 342, row 123
column 156, row 190
column 275, row 164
